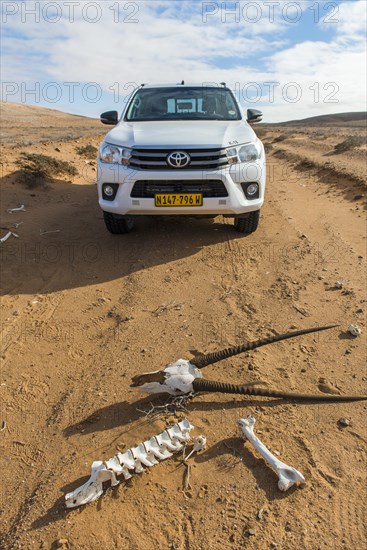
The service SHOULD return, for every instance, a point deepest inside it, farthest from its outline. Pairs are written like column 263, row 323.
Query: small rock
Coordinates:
column 61, row 543
column 339, row 284
column 344, row 422
column 358, row 197
column 326, row 387
column 251, row 532
column 259, row 515
column 57, row 149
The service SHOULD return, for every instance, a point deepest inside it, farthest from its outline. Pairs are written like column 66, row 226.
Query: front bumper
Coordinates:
column 232, row 176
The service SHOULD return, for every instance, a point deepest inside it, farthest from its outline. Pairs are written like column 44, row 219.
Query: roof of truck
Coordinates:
column 188, row 85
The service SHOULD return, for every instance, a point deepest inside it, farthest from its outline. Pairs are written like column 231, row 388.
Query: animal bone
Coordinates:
column 176, row 432
column 157, row 448
column 19, row 209
column 177, row 378
column 199, row 445
column 184, row 377
column 354, row 330
column 288, row 476
column 47, row 232
column 203, row 360
column 6, row 237
column 133, row 459
column 243, row 389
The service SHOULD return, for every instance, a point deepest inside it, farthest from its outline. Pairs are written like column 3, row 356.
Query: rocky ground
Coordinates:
column 83, row 311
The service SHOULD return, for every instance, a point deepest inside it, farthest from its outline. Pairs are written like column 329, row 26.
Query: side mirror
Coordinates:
column 110, row 117
column 253, row 115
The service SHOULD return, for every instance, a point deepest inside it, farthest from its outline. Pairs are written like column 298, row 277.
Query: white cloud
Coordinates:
column 171, row 42
column 347, row 18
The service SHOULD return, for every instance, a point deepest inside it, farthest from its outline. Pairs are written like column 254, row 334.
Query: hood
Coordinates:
column 175, row 134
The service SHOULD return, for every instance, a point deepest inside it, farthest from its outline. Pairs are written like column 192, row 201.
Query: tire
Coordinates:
column 118, row 224
column 249, row 224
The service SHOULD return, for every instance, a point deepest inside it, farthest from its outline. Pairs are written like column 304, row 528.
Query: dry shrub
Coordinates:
column 260, row 132
column 282, row 137
column 268, row 146
column 87, row 151
column 37, row 168
column 350, row 143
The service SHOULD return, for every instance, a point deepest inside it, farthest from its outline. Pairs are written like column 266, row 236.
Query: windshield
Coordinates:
column 186, row 103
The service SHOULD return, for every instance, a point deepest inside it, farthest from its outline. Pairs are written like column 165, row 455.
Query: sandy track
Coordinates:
column 83, row 311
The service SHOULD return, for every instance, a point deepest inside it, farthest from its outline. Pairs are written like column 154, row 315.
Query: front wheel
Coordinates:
column 249, row 224
column 118, row 224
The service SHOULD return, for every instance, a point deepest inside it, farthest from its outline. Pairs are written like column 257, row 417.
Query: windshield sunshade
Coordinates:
column 186, row 103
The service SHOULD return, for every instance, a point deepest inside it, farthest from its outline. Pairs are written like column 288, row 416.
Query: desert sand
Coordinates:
column 83, row 311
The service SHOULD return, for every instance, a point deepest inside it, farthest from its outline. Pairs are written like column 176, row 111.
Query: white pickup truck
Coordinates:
column 181, row 149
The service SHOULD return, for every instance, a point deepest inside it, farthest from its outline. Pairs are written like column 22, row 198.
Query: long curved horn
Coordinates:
column 210, row 358
column 200, row 384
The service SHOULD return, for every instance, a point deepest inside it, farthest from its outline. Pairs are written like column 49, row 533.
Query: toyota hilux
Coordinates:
column 181, row 149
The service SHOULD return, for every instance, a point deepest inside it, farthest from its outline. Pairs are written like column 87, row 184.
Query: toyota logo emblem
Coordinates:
column 178, row 159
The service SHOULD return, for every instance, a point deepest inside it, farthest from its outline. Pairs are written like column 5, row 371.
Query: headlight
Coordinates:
column 113, row 154
column 244, row 153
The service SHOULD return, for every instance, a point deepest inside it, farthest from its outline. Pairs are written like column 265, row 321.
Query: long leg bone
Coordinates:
column 288, row 476
column 133, row 459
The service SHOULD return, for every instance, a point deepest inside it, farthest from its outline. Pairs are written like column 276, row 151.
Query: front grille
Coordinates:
column 156, row 159
column 146, row 189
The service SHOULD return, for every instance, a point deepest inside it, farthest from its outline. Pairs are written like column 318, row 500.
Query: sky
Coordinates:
column 291, row 59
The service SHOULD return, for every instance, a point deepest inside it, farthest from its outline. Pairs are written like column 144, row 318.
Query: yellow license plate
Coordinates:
column 178, row 199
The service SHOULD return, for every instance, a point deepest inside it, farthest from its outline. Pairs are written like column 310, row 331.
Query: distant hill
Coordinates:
column 23, row 124
column 339, row 119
